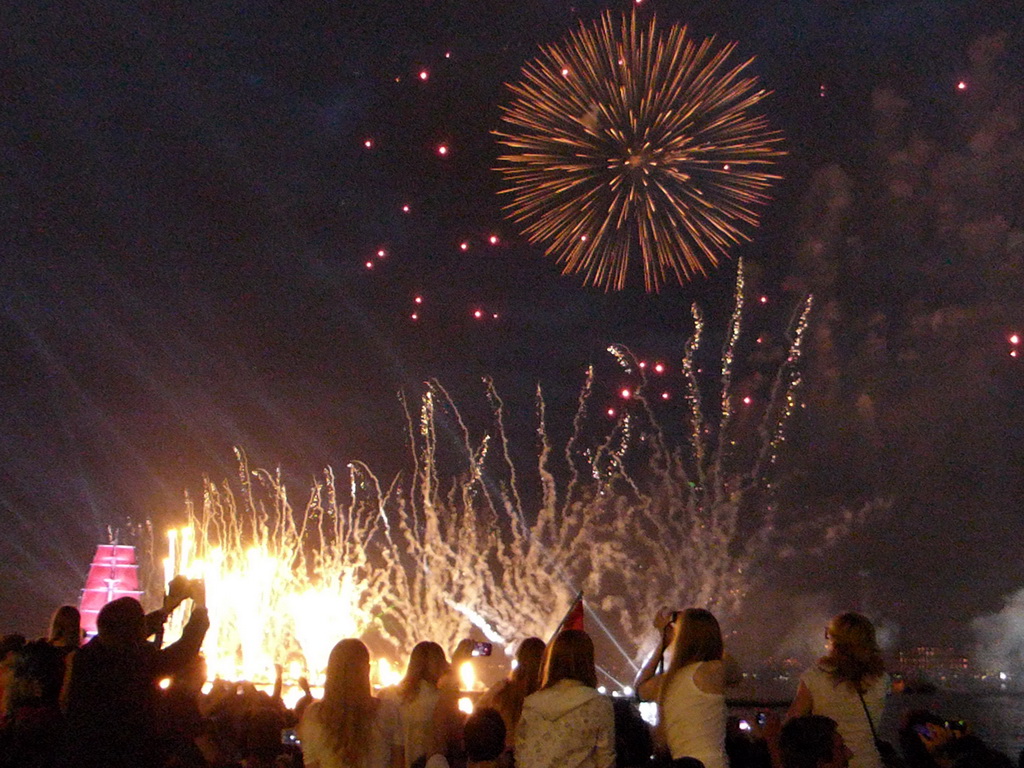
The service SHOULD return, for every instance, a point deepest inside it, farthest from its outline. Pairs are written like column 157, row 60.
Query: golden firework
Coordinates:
column 625, row 140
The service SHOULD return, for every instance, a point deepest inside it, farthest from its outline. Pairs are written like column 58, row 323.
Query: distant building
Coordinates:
column 925, row 662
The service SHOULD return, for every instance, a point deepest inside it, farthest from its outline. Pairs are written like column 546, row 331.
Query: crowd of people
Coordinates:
column 100, row 705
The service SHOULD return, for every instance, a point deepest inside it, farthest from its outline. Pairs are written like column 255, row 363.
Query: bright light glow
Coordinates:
column 565, row 72
column 414, row 316
column 424, row 74
column 611, row 412
column 405, row 209
column 659, row 367
column 381, row 253
column 495, row 315
column 493, row 239
column 665, row 396
column 602, row 690
column 627, row 691
column 1015, row 339
column 478, row 314
column 387, row 674
column 368, row 143
column 464, row 246
column 418, row 299
column 764, row 299
column 369, row 265
column 747, row 400
column 625, row 394
column 165, row 683
column 466, row 705
column 467, row 676
column 961, row 86
column 442, row 150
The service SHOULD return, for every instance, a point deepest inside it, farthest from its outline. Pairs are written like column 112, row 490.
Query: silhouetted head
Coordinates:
column 122, row 621
column 570, row 657
column 530, row 662
column 484, row 735
column 66, row 627
column 697, row 638
column 348, row 673
column 853, row 652
column 813, row 741
column 426, row 662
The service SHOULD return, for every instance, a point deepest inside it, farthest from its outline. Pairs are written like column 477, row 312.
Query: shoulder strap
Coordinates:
column 871, row 723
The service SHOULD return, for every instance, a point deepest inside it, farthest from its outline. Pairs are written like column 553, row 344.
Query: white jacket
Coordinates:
column 569, row 725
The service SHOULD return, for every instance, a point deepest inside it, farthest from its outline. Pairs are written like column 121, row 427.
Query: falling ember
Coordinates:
column 414, row 316
column 381, row 253
column 442, row 150
column 764, row 299
column 659, row 367
column 625, row 394
column 405, row 209
column 493, row 239
column 369, row 265
column 665, row 395
column 478, row 314
column 418, row 299
column 424, row 74
column 747, row 400
column 464, row 246
column 611, row 412
column 368, row 144
column 1015, row 339
column 961, row 86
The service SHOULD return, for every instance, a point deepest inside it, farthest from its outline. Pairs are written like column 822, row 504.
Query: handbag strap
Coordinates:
column 871, row 723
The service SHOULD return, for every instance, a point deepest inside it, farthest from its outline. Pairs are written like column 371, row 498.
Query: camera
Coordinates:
column 482, row 649
column 290, row 738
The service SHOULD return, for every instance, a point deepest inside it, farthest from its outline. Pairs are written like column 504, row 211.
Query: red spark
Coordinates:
column 1015, row 339
column 405, row 209
column 368, row 143
column 625, row 394
column 418, row 299
column 442, row 149
column 464, row 246
column 659, row 367
column 747, row 400
column 424, row 74
column 493, row 239
column 478, row 314
column 664, row 395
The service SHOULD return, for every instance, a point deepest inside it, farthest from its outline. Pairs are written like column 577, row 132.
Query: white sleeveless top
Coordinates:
column 842, row 704
column 694, row 721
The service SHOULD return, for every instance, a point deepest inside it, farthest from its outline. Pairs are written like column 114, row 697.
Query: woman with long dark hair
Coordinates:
column 567, row 722
column 848, row 684
column 507, row 696
column 350, row 728
column 691, row 690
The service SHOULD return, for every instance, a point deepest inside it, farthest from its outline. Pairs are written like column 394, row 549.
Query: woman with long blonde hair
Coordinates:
column 507, row 696
column 350, row 728
column 691, row 690
column 848, row 684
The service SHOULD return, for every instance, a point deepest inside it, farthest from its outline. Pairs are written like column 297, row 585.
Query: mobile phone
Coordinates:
column 482, row 649
column 744, row 725
column 762, row 718
column 289, row 737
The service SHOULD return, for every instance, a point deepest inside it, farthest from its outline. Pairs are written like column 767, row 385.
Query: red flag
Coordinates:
column 573, row 618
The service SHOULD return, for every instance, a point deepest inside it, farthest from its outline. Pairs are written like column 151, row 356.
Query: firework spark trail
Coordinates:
column 453, row 545
column 626, row 141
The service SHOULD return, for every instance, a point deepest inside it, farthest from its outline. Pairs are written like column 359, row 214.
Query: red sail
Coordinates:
column 113, row 574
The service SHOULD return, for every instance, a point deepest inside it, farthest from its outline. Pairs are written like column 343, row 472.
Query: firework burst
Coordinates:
column 625, row 141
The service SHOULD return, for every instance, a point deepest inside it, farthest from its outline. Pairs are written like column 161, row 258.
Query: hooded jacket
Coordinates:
column 569, row 725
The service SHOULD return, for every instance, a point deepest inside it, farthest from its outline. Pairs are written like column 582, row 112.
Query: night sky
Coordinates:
column 188, row 206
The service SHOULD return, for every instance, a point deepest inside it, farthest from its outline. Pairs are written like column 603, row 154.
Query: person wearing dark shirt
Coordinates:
column 111, row 690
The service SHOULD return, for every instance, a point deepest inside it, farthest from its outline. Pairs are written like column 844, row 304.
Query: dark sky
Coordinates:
column 187, row 206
